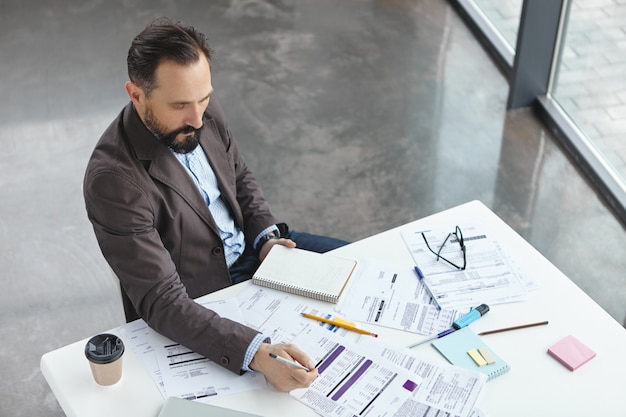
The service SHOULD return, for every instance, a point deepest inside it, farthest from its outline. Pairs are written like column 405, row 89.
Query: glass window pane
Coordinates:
column 504, row 15
column 590, row 83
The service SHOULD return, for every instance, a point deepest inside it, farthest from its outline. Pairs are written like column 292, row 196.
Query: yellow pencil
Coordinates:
column 339, row 324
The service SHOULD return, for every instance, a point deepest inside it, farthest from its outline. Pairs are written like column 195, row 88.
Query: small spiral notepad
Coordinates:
column 466, row 349
column 309, row 274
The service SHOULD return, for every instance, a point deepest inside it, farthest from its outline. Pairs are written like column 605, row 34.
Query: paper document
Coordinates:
column 392, row 296
column 136, row 335
column 489, row 276
column 359, row 373
column 352, row 382
column 179, row 372
column 435, row 390
column 445, row 390
column 189, row 375
column 277, row 315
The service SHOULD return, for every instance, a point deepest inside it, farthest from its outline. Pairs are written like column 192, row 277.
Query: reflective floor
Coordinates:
column 356, row 116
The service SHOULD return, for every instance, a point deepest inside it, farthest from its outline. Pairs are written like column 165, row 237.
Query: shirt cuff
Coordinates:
column 268, row 230
column 252, row 350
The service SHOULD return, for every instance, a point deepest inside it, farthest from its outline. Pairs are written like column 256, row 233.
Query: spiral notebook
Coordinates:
column 466, row 349
column 310, row 274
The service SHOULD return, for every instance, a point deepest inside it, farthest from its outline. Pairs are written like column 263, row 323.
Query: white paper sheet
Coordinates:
column 489, row 276
column 447, row 390
column 352, row 381
column 136, row 336
column 391, row 295
column 435, row 390
column 189, row 375
column 179, row 372
column 277, row 314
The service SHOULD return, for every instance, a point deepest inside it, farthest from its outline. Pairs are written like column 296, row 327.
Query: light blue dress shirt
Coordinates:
column 197, row 166
column 199, row 169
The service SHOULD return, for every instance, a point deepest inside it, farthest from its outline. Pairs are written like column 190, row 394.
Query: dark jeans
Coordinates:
column 248, row 263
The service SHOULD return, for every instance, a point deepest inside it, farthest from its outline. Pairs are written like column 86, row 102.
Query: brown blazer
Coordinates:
column 157, row 233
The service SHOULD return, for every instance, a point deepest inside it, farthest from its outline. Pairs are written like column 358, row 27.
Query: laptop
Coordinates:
column 178, row 407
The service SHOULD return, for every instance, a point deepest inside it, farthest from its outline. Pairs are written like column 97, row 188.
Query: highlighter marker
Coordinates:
column 473, row 315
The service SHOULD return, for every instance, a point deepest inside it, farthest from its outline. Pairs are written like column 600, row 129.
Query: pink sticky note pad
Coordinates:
column 571, row 352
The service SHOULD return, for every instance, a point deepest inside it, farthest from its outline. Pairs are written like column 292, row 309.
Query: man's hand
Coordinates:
column 282, row 376
column 268, row 245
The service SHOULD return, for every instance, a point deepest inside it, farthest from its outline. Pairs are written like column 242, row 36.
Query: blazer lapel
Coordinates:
column 163, row 166
column 221, row 165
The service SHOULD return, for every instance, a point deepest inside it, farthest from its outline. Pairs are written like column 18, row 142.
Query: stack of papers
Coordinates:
column 391, row 379
column 178, row 371
column 392, row 296
column 490, row 276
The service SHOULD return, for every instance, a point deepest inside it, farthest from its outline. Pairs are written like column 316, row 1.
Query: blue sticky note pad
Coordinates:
column 455, row 347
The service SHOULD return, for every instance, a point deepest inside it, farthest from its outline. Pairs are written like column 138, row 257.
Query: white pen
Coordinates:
column 288, row 362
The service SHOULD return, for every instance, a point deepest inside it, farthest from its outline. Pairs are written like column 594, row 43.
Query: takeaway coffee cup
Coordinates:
column 104, row 352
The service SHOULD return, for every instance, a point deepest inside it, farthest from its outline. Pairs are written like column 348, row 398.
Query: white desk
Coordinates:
column 536, row 385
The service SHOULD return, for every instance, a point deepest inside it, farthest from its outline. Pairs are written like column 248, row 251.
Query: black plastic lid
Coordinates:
column 104, row 348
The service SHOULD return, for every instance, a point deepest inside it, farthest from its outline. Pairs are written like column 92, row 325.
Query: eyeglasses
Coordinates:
column 459, row 238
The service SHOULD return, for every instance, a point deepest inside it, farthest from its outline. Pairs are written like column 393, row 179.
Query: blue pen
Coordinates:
column 421, row 278
column 473, row 315
column 437, row 336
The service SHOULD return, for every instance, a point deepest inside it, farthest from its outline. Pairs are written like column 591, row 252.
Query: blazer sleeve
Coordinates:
column 123, row 221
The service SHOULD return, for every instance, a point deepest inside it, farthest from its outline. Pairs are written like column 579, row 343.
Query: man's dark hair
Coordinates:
column 162, row 40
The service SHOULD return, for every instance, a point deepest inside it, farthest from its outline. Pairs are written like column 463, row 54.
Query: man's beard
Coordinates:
column 188, row 144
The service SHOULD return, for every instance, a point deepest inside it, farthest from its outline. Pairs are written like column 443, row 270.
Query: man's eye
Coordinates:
column 179, row 106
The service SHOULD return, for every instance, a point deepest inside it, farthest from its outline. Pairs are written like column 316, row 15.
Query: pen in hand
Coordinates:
column 288, row 362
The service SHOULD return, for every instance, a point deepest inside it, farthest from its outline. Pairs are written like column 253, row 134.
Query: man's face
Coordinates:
column 173, row 111
column 182, row 140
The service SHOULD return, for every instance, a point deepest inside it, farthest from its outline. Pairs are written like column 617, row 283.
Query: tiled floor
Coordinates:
column 355, row 115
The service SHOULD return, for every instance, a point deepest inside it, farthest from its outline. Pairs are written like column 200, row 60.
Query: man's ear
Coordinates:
column 135, row 93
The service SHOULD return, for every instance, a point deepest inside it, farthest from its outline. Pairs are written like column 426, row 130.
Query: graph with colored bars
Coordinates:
column 352, row 383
